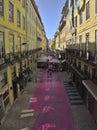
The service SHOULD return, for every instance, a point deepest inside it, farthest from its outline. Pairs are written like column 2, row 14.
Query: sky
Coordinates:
column 50, row 12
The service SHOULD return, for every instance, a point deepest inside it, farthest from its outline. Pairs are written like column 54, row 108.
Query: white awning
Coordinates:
column 54, row 61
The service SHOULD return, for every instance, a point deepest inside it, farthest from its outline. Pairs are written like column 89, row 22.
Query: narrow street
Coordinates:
column 48, row 65
column 51, row 100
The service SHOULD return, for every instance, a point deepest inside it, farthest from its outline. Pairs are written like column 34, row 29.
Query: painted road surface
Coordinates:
column 51, row 101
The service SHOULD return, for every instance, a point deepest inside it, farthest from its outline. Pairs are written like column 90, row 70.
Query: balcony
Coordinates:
column 81, row 52
column 11, row 58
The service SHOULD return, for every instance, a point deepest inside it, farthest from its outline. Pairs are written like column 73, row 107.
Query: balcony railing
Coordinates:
column 81, row 52
column 10, row 58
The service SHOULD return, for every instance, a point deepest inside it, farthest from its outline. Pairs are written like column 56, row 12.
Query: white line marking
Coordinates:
column 27, row 110
column 27, row 115
column 34, row 98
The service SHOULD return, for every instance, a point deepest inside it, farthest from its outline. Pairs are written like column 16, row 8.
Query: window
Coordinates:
column 27, row 25
column 96, row 45
column 87, row 41
column 18, row 18
column 11, row 42
column 96, row 6
column 79, row 65
column 80, row 17
column 1, row 7
column 19, row 44
column 80, row 39
column 2, row 45
column 87, row 10
column 11, row 12
column 86, row 69
column 27, row 8
column 75, row 62
column 6, row 98
column 23, row 3
column 13, row 72
column 3, row 79
column 76, row 21
column 23, row 22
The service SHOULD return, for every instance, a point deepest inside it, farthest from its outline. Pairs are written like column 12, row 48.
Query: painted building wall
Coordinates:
column 18, row 33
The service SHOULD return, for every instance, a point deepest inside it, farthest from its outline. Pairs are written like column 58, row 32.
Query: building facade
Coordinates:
column 81, row 48
column 22, row 36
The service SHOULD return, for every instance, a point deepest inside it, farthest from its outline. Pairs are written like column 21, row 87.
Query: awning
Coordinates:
column 44, row 58
column 54, row 61
column 78, row 72
column 91, row 87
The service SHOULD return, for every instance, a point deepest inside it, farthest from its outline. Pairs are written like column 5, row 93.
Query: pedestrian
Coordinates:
column 49, row 71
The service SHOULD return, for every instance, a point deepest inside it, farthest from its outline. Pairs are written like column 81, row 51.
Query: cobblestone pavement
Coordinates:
column 14, row 119
column 19, row 117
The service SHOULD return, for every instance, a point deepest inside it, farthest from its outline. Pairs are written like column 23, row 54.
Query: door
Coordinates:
column 15, row 90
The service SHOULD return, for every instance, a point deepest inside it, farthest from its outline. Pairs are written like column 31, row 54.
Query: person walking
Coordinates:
column 49, row 71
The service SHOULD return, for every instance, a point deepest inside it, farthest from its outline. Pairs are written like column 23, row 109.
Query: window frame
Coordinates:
column 81, row 18
column 87, row 41
column 23, row 3
column 2, row 45
column 23, row 22
column 18, row 18
column 11, row 12
column 95, row 6
column 4, row 80
column 75, row 21
column 19, row 44
column 2, row 8
column 95, row 42
column 87, row 10
column 11, row 44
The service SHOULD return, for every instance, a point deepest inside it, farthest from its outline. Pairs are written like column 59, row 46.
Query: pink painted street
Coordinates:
column 51, row 101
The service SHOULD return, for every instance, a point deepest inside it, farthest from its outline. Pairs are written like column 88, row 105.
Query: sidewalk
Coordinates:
column 19, row 116
column 15, row 119
column 81, row 116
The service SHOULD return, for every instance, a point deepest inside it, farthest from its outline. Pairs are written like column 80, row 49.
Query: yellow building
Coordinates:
column 61, row 34
column 20, row 44
column 81, row 49
column 57, row 39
